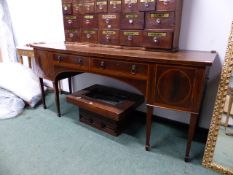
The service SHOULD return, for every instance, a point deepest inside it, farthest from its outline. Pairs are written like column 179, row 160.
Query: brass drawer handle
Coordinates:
column 133, row 69
column 102, row 64
column 59, row 58
column 80, row 61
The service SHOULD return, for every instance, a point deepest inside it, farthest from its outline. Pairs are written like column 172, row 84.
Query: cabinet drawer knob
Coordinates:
column 107, row 21
column 59, row 58
column 88, row 36
column 65, row 8
column 156, row 40
column 102, row 64
column 158, row 21
column 87, row 21
column 80, row 61
column 129, row 4
column 114, row 5
column 146, row 4
column 107, row 37
column 70, row 21
column 131, row 21
column 71, row 35
column 130, row 38
column 133, row 69
column 100, row 7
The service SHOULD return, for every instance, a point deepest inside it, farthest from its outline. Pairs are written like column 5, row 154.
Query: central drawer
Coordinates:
column 119, row 68
column 72, row 61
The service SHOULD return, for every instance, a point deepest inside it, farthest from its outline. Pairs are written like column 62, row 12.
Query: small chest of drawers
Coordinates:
column 153, row 24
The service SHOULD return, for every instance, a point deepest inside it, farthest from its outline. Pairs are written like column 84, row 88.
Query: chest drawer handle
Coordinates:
column 114, row 5
column 146, row 4
column 88, row 36
column 70, row 21
column 130, row 38
column 158, row 21
column 102, row 64
column 100, row 7
column 129, row 4
column 131, row 21
column 59, row 58
column 107, row 21
column 80, row 61
column 71, row 35
column 133, row 69
column 65, row 8
column 156, row 40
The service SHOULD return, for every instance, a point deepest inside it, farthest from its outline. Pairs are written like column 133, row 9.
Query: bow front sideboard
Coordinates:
column 174, row 80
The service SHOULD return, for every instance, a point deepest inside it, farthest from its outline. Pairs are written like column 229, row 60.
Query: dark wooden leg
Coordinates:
column 192, row 127
column 56, row 91
column 42, row 92
column 148, row 126
column 70, row 84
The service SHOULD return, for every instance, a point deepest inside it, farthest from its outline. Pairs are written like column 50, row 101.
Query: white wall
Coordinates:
column 205, row 26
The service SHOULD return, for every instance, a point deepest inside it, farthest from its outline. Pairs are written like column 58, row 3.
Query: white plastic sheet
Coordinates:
column 10, row 104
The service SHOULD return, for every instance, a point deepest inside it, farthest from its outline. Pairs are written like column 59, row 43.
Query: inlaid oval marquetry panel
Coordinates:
column 174, row 85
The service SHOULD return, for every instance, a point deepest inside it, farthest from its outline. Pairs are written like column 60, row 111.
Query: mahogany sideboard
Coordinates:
column 174, row 80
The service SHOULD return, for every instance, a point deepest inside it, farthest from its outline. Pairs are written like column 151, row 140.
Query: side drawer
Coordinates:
column 109, row 21
column 89, row 21
column 119, row 68
column 131, row 37
column 72, row 35
column 132, row 20
column 166, row 5
column 109, row 37
column 71, row 22
column 67, row 8
column 89, row 36
column 101, row 6
column 160, row 20
column 158, row 39
column 114, row 6
column 73, row 61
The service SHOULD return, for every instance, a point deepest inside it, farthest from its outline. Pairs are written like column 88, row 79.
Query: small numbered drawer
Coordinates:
column 72, row 35
column 119, row 67
column 130, row 5
column 67, row 1
column 101, row 6
column 160, row 39
column 71, row 59
column 89, row 35
column 89, row 21
column 109, row 37
column 78, row 7
column 71, row 22
column 131, row 37
column 146, row 5
column 89, row 6
column 160, row 20
column 132, row 20
column 109, row 21
column 166, row 5
column 67, row 8
column 114, row 6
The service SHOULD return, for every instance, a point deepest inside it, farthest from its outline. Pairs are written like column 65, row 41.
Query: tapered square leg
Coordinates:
column 42, row 92
column 148, row 126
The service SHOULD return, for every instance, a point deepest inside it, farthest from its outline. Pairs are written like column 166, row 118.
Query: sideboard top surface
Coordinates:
column 183, row 57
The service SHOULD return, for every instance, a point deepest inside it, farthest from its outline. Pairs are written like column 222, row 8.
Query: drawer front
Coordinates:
column 72, row 35
column 166, row 5
column 158, row 39
column 114, row 6
column 72, row 60
column 71, row 22
column 67, row 8
column 131, row 37
column 130, row 5
column 78, row 7
column 101, row 6
column 174, row 86
column 89, row 21
column 146, row 5
column 109, row 21
column 119, row 68
column 132, row 21
column 90, row 36
column 160, row 20
column 109, row 37
column 89, row 6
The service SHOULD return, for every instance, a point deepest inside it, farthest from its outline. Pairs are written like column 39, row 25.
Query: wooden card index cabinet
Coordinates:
column 155, row 23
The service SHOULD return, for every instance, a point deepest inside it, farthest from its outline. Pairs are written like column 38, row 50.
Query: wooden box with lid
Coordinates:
column 143, row 24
